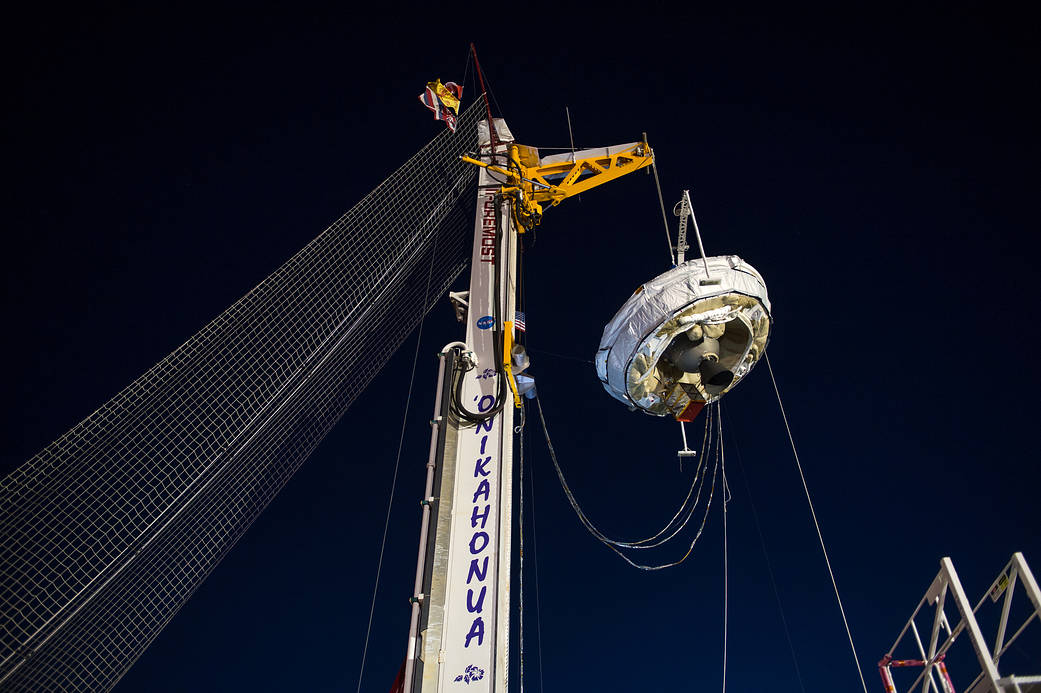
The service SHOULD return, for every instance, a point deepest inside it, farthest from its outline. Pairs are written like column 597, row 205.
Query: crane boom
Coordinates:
column 461, row 610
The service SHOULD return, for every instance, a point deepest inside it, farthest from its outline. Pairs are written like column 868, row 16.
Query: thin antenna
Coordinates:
column 570, row 134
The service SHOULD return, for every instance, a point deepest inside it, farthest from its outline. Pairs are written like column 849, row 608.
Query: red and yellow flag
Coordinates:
column 443, row 100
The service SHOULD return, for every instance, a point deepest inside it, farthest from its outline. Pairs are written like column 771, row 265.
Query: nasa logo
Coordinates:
column 485, row 322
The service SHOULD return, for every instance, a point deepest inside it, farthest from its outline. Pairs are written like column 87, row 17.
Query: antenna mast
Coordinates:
column 484, row 95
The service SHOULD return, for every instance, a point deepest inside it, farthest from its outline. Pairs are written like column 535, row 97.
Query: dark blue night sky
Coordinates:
column 878, row 166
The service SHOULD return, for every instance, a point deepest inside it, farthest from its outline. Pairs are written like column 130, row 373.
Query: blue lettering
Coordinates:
column 477, row 571
column 473, row 542
column 476, row 631
column 479, row 514
column 483, row 517
column 479, row 606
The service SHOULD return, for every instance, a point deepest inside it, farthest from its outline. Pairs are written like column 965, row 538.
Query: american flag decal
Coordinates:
column 518, row 321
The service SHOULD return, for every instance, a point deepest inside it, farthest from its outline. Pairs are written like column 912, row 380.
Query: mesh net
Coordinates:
column 109, row 530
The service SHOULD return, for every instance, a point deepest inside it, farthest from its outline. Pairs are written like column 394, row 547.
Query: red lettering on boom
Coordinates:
column 488, row 229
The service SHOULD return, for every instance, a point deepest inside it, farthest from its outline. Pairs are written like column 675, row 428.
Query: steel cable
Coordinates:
column 816, row 524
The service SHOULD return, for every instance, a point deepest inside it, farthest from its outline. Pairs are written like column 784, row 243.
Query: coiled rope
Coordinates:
column 678, row 521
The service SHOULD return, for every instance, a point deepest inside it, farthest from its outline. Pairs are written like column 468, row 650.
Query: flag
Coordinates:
column 518, row 321
column 450, row 94
column 443, row 100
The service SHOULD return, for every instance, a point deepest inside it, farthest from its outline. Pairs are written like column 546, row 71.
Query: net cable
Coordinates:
column 107, row 531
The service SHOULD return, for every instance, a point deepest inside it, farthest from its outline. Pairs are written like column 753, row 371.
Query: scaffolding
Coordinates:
column 946, row 588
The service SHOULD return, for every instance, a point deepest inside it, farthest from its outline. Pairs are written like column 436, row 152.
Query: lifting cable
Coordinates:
column 816, row 524
column 664, row 216
column 613, row 544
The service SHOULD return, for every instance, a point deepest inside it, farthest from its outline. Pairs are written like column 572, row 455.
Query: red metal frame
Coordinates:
column 887, row 678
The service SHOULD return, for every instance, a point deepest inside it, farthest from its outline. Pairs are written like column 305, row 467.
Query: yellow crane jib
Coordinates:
column 531, row 181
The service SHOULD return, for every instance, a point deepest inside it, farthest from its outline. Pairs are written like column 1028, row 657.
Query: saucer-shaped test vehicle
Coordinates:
column 686, row 338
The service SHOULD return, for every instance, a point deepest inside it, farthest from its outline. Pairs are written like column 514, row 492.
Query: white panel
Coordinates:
column 586, row 153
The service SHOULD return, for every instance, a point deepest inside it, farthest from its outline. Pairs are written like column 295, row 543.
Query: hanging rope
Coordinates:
column 520, row 523
column 535, row 558
column 726, row 566
column 614, row 544
column 816, row 524
column 523, row 290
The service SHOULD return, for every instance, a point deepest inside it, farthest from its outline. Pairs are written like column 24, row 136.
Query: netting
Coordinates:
column 110, row 529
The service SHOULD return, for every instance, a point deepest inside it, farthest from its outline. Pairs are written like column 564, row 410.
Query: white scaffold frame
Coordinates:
column 934, row 677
